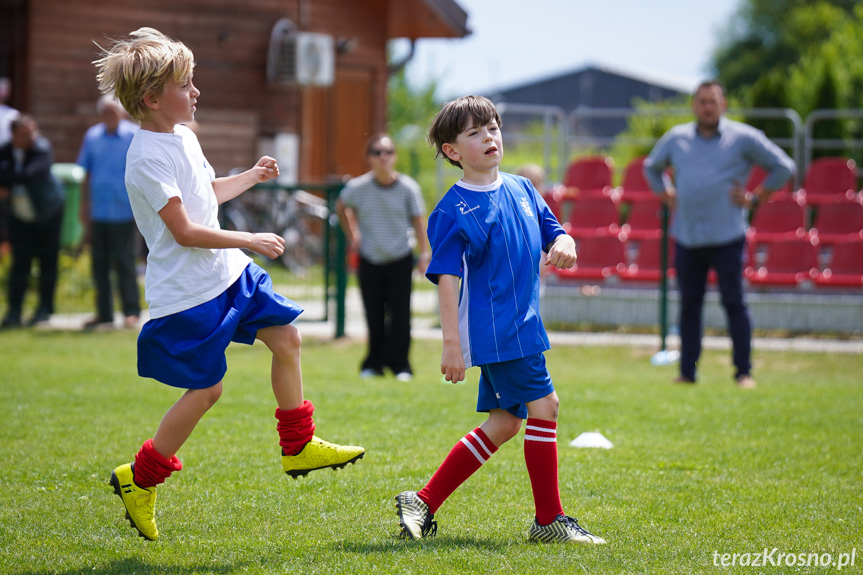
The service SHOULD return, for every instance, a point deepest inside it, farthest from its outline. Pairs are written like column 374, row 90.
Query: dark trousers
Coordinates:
column 692, row 266
column 114, row 248
column 33, row 240
column 386, row 291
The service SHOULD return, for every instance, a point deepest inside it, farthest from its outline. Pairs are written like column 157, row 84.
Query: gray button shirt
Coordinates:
column 705, row 170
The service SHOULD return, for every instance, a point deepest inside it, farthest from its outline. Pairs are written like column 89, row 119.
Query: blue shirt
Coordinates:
column 492, row 238
column 103, row 155
column 705, row 170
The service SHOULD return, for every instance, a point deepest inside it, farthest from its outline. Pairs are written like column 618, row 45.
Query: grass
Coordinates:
column 694, row 469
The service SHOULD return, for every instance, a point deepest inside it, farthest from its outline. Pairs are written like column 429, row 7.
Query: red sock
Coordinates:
column 463, row 460
column 540, row 455
column 296, row 427
column 151, row 467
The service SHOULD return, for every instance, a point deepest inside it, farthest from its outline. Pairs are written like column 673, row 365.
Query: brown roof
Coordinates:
column 427, row 19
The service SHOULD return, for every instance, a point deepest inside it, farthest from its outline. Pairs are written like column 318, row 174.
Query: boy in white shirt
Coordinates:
column 202, row 290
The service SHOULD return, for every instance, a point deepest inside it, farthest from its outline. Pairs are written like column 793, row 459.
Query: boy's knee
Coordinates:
column 284, row 341
column 546, row 408
column 212, row 394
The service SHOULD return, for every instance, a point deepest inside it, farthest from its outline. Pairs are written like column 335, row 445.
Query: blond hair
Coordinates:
column 454, row 118
column 133, row 67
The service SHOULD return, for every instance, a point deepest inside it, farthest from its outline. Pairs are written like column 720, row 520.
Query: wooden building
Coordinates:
column 47, row 48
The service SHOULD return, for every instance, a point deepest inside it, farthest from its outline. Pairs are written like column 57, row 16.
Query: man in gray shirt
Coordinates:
column 711, row 159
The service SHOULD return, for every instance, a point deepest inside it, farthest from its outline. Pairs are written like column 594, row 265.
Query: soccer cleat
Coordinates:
column 319, row 454
column 564, row 529
column 414, row 517
column 140, row 502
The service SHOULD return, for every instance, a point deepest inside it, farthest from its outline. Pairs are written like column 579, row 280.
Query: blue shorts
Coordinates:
column 187, row 349
column 509, row 385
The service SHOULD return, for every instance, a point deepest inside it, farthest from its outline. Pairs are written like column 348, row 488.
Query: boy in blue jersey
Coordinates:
column 487, row 235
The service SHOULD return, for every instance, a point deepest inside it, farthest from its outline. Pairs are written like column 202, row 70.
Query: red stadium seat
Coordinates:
column 590, row 176
column 644, row 219
column 644, row 263
column 599, row 258
column 830, row 180
column 846, row 266
column 786, row 263
column 839, row 222
column 634, row 186
column 593, row 216
column 784, row 219
column 559, row 200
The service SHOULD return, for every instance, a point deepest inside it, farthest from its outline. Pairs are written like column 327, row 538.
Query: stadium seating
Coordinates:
column 786, row 263
column 830, row 180
column 634, row 186
column 783, row 219
column 644, row 219
column 644, row 260
column 599, row 258
column 560, row 199
column 845, row 268
column 590, row 176
column 839, row 222
column 592, row 216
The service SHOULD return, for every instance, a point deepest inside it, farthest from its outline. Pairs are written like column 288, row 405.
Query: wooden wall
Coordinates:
column 229, row 39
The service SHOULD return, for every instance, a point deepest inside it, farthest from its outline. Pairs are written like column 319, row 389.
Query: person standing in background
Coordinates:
column 7, row 114
column 35, row 199
column 377, row 211
column 712, row 158
column 107, row 215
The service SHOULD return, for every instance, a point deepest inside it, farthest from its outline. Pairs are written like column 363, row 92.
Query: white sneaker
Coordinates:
column 404, row 376
column 368, row 374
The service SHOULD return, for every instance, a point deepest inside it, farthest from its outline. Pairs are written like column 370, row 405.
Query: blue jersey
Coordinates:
column 492, row 237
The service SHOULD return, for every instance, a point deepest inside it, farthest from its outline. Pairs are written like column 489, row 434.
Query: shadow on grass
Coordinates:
column 401, row 545
column 135, row 565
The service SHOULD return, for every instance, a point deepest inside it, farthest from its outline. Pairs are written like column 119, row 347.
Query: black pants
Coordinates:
column 114, row 248
column 34, row 240
column 386, row 291
column 692, row 266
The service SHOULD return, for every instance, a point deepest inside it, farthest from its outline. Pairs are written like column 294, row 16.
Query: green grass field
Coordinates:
column 694, row 471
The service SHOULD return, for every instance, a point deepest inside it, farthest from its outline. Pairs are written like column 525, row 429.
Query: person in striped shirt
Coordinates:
column 379, row 211
column 487, row 235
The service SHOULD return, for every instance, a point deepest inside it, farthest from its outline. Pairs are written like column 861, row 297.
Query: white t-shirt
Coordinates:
column 160, row 166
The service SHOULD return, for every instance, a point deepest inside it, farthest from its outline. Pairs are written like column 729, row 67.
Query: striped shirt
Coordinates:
column 492, row 237
column 384, row 215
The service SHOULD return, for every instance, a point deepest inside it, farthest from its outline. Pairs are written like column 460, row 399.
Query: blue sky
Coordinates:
column 517, row 41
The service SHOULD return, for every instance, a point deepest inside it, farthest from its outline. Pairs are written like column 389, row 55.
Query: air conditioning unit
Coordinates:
column 300, row 58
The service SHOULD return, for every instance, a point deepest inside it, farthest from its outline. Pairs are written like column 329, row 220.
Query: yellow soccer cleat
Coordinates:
column 319, row 454
column 140, row 502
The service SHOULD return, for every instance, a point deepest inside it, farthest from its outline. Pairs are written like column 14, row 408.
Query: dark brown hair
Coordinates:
column 454, row 118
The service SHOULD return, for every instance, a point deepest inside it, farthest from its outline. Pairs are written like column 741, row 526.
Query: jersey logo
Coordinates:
column 462, row 206
column 525, row 205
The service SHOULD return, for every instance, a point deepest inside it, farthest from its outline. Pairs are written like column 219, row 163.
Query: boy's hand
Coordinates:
column 268, row 245
column 266, row 169
column 452, row 363
column 562, row 252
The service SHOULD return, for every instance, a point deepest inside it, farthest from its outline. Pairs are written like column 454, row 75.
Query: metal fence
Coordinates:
column 565, row 135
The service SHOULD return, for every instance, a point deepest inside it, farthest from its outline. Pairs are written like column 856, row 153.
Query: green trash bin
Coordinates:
column 71, row 175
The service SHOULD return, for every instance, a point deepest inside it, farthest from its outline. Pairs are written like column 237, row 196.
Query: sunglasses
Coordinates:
column 379, row 153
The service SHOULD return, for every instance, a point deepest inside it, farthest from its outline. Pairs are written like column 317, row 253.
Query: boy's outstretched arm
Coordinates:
column 191, row 235
column 229, row 187
column 561, row 254
column 452, row 361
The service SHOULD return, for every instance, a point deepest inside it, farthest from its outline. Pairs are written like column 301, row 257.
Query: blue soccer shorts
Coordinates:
column 509, row 385
column 187, row 349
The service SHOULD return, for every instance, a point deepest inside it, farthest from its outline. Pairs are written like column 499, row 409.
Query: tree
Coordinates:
column 767, row 36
